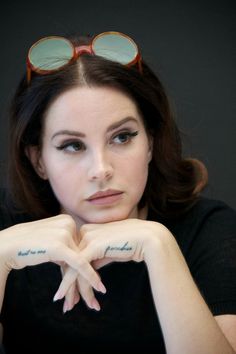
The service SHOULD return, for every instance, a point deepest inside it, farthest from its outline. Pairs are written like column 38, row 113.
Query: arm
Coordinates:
column 227, row 323
column 48, row 240
column 178, row 300
column 3, row 279
column 176, row 297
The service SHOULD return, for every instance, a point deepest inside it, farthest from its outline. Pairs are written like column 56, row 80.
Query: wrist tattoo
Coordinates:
column 125, row 247
column 30, row 252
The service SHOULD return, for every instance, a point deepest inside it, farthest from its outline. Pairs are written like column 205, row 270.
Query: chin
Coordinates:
column 109, row 217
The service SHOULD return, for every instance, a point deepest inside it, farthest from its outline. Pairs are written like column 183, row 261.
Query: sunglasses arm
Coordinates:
column 28, row 74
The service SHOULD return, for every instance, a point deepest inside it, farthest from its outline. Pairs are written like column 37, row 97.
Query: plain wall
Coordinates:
column 191, row 44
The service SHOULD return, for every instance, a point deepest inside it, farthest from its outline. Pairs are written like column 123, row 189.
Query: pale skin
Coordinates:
column 94, row 140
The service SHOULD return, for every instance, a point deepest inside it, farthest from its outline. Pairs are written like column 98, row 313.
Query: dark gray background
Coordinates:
column 191, row 44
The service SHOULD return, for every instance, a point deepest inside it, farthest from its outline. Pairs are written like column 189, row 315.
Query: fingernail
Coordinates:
column 102, row 288
column 57, row 296
column 95, row 305
column 65, row 307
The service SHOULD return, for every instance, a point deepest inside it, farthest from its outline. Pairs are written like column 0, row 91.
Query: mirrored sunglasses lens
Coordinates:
column 51, row 53
column 115, row 47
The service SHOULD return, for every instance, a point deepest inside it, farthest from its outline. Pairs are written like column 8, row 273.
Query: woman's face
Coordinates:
column 95, row 154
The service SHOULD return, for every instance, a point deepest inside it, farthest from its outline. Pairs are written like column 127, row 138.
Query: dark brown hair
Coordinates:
column 171, row 180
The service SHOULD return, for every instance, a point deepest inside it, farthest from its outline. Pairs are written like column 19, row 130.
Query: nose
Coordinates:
column 100, row 168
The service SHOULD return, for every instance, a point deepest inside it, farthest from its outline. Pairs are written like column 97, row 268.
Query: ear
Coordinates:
column 34, row 155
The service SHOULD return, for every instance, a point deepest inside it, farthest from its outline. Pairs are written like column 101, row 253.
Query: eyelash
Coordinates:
column 80, row 145
column 127, row 134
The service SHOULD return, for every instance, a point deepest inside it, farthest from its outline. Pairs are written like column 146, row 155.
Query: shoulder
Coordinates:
column 212, row 216
column 209, row 244
column 205, row 206
column 215, row 214
column 208, row 221
column 203, row 210
column 206, row 235
column 213, row 219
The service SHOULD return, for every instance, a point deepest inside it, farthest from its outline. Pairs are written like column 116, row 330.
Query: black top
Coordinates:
column 34, row 324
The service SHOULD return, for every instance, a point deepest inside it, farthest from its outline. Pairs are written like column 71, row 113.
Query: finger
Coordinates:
column 99, row 263
column 80, row 266
column 69, row 278
column 87, row 294
column 98, row 250
column 76, row 296
column 67, row 289
column 71, row 298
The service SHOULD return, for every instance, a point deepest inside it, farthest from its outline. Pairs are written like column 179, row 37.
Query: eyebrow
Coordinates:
column 82, row 135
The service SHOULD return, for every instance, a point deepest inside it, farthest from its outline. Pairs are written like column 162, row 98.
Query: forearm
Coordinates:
column 3, row 280
column 187, row 324
column 4, row 270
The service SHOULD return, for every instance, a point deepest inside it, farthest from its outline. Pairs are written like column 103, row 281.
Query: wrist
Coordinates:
column 159, row 244
column 5, row 243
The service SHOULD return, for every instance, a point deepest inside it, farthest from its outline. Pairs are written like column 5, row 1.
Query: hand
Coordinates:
column 116, row 241
column 101, row 244
column 53, row 239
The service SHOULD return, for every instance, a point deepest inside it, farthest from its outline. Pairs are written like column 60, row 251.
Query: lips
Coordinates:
column 105, row 197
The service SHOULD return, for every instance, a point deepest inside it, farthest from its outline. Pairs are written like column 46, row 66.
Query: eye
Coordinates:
column 124, row 137
column 71, row 146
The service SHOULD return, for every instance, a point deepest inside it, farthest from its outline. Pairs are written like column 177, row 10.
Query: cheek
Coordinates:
column 141, row 176
column 66, row 185
column 136, row 171
column 61, row 174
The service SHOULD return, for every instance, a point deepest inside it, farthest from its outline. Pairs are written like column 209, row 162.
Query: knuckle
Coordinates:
column 67, row 221
column 64, row 234
column 84, row 229
column 87, row 233
column 57, row 251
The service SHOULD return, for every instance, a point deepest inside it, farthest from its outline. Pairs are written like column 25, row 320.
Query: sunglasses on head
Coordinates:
column 53, row 53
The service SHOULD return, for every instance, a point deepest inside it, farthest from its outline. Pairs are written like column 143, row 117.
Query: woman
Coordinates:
column 104, row 214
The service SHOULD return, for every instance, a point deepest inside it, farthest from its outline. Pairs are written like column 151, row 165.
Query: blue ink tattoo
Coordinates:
column 125, row 247
column 29, row 252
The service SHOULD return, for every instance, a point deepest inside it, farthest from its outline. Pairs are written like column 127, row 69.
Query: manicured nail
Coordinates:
column 57, row 296
column 101, row 288
column 95, row 305
column 65, row 307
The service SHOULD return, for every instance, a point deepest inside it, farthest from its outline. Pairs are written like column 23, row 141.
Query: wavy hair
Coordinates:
column 172, row 179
